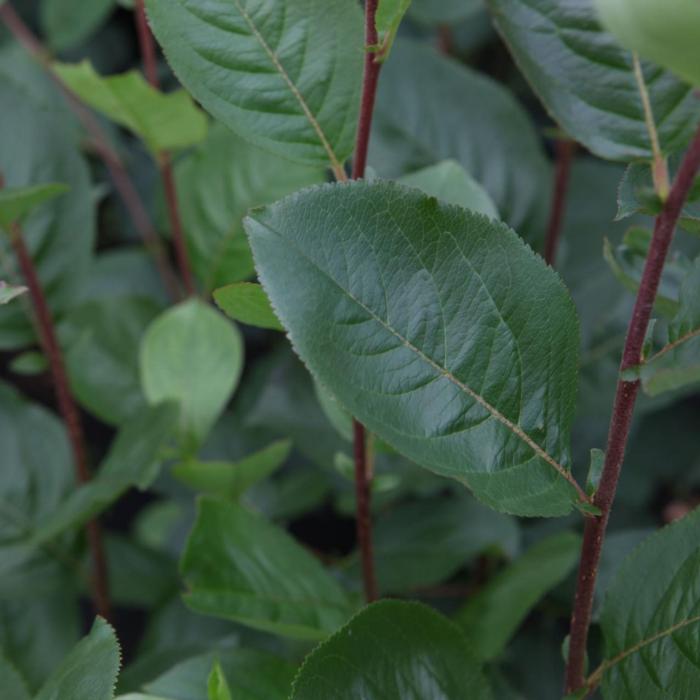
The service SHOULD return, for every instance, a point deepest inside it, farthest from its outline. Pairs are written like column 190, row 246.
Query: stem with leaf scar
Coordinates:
column 363, row 466
column 623, row 408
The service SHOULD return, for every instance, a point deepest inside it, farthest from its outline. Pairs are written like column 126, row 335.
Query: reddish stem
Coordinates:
column 565, row 150
column 363, row 517
column 68, row 410
column 148, row 53
column 118, row 173
column 623, row 410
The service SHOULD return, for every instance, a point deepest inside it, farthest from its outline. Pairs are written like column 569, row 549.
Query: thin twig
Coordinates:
column 625, row 398
column 565, row 150
column 148, row 54
column 118, row 173
column 68, row 410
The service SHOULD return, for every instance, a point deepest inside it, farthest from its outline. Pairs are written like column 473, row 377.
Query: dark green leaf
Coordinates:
column 193, row 355
column 241, row 567
column 11, row 682
column 392, row 650
column 18, row 202
column 493, row 615
column 247, row 302
column 242, row 61
column 586, row 79
column 67, row 23
column 404, row 293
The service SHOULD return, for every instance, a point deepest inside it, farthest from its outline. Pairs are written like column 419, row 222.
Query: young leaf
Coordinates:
column 217, row 685
column 493, row 615
column 8, row 292
column 393, row 649
column 18, row 202
column 231, row 479
column 217, row 184
column 586, row 79
column 240, row 567
column 429, row 310
column 651, row 630
column 193, row 355
column 242, row 61
column 164, row 122
column 89, row 672
column 387, row 20
column 430, row 108
column 67, row 23
column 247, row 302
column 451, row 183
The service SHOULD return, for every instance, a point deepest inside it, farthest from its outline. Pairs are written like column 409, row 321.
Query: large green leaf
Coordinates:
column 217, row 185
column 164, row 122
column 67, row 23
column 491, row 617
column 435, row 315
column 89, row 671
column 651, row 630
column 241, row 567
column 586, row 79
column 423, row 543
column 193, row 355
column 430, row 108
column 393, row 650
column 284, row 75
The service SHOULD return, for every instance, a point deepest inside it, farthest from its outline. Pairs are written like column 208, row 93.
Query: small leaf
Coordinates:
column 163, row 122
column 241, row 61
column 240, row 567
column 18, row 202
column 493, row 615
column 8, row 292
column 595, row 470
column 231, row 479
column 247, row 302
column 193, row 355
column 588, row 509
column 89, row 671
column 217, row 685
column 29, row 363
column 393, row 649
column 405, row 300
column 387, row 20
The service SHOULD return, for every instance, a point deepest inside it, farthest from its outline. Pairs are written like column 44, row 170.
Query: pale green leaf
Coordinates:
column 165, row 122
column 193, row 355
column 18, row 202
column 406, row 294
column 393, row 649
column 247, row 303
column 231, row 479
column 89, row 671
column 389, row 14
column 241, row 60
column 239, row 566
column 492, row 616
column 586, row 79
column 217, row 685
column 8, row 292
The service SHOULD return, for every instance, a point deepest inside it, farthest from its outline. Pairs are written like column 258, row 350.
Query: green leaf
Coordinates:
column 164, row 122
column 247, row 302
column 101, row 353
column 29, row 363
column 18, row 202
column 217, row 685
column 664, row 33
column 217, row 184
column 11, row 682
column 651, row 630
column 451, row 183
column 240, row 567
column 493, row 615
column 420, row 544
column 242, row 61
column 193, row 355
column 231, row 479
column 595, row 470
column 89, row 672
column 586, row 79
column 430, row 108
column 405, row 293
column 387, row 20
column 8, row 292
column 393, row 649
column 68, row 23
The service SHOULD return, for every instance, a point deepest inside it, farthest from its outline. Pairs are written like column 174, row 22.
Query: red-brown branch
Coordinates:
column 565, row 150
column 148, row 53
column 118, row 173
column 623, row 410
column 68, row 410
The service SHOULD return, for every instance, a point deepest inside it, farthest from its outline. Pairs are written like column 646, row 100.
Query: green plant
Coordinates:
column 454, row 387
